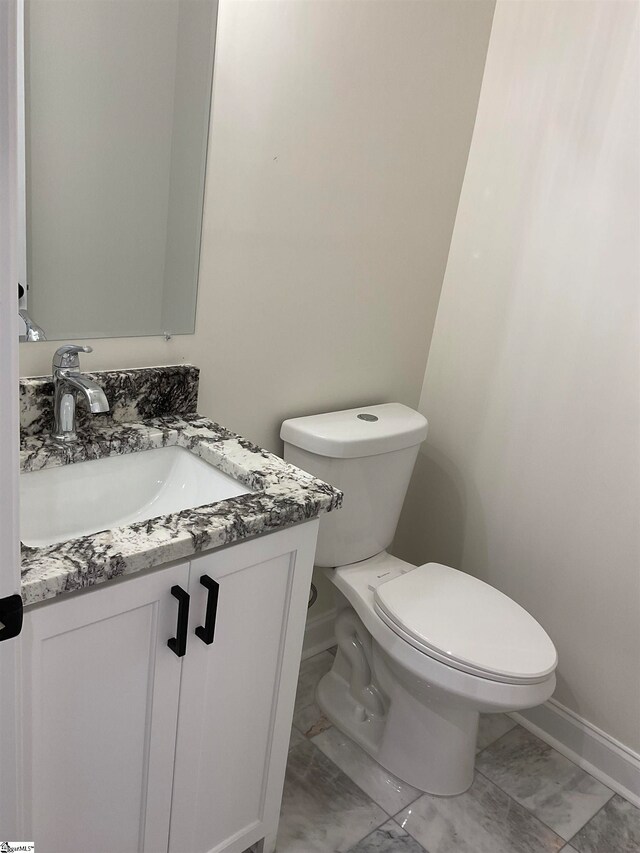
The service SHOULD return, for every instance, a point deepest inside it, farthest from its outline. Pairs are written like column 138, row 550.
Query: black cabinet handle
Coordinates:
column 10, row 616
column 206, row 631
column 178, row 644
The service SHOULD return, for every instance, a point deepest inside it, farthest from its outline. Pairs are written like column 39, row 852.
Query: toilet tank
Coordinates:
column 367, row 452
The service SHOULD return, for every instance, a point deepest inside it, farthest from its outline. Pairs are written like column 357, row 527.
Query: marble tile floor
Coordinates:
column 526, row 797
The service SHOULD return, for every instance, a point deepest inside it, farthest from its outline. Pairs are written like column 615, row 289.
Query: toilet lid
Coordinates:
column 468, row 624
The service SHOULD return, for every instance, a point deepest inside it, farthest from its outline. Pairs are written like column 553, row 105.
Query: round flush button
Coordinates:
column 365, row 416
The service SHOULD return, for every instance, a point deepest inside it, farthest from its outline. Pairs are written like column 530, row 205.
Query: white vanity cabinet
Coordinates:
column 128, row 746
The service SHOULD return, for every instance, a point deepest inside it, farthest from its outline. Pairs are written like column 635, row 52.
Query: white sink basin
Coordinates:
column 76, row 500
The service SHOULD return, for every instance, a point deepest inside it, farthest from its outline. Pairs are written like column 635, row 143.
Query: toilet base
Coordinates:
column 338, row 705
column 430, row 746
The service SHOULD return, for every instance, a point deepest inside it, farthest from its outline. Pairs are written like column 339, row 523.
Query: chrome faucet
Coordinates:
column 68, row 384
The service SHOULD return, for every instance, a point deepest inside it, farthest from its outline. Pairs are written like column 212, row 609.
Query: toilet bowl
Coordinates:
column 422, row 650
column 423, row 723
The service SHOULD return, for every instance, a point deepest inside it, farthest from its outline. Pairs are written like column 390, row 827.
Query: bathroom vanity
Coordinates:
column 160, row 657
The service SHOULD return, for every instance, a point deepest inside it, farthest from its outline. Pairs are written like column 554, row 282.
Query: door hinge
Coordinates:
column 10, row 616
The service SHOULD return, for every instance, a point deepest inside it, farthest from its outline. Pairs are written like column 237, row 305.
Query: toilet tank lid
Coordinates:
column 351, row 433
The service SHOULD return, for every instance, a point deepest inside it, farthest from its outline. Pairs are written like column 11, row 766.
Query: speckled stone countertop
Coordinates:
column 283, row 495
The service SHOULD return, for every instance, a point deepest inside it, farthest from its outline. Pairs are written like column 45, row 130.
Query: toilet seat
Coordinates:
column 466, row 624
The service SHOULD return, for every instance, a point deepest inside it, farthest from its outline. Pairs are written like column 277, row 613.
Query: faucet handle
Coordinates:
column 68, row 355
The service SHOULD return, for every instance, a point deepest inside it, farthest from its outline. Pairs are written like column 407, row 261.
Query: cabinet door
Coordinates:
column 101, row 689
column 237, row 694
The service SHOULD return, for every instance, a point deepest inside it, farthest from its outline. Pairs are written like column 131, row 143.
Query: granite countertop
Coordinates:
column 283, row 495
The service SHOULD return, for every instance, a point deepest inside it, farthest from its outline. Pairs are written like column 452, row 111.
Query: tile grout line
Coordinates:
column 602, row 808
column 403, row 828
column 550, row 828
column 388, row 817
column 408, row 806
column 391, row 819
column 511, row 799
column 353, row 781
column 371, row 831
column 575, row 763
column 360, row 840
column 484, row 776
column 613, row 793
column 494, row 742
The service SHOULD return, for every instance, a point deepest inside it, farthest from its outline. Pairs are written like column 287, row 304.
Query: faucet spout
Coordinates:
column 32, row 331
column 90, row 391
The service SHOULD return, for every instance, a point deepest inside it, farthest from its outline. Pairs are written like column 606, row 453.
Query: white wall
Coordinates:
column 531, row 474
column 339, row 139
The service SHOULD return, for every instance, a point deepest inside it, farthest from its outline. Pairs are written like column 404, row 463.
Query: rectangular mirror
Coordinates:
column 117, row 102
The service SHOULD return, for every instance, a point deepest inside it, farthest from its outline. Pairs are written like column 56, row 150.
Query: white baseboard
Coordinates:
column 319, row 634
column 610, row 761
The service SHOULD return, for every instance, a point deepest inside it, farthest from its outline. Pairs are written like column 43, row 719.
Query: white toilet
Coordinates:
column 422, row 651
